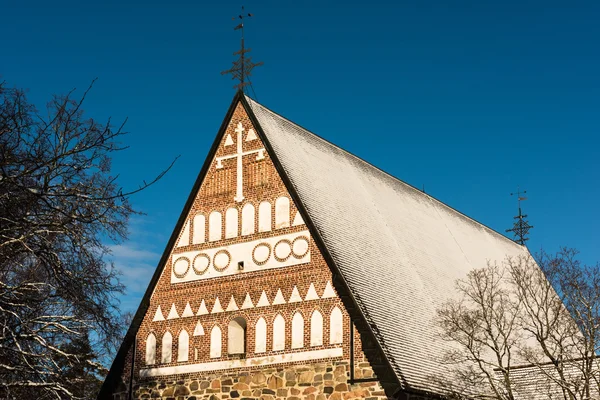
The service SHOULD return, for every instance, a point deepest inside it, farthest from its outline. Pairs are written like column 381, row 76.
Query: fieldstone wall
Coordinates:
column 321, row 381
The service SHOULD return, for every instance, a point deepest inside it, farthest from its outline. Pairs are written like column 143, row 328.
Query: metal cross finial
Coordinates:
column 519, row 194
column 521, row 227
column 243, row 66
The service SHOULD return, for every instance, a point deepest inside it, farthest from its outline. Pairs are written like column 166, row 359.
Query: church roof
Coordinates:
column 398, row 251
column 395, row 252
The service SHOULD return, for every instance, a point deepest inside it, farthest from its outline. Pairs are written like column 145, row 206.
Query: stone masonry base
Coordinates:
column 323, row 381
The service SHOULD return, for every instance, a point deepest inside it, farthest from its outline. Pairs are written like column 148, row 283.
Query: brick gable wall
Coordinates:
column 197, row 274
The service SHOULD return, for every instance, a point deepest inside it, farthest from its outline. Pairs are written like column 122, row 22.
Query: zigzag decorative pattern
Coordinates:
column 263, row 301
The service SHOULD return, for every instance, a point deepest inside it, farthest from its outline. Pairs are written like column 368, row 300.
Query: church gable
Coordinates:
column 244, row 288
column 243, row 265
column 252, row 298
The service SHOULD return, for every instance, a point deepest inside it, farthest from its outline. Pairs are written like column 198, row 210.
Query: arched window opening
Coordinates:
column 150, row 349
column 282, row 212
column 336, row 326
column 183, row 348
column 260, row 337
column 248, row 220
column 199, row 229
column 166, row 348
column 214, row 226
column 316, row 329
column 231, row 223
column 236, row 336
column 264, row 216
column 279, row 333
column 297, row 331
column 215, row 342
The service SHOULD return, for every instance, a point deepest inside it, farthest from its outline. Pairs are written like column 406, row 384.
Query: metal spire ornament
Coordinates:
column 243, row 66
column 521, row 227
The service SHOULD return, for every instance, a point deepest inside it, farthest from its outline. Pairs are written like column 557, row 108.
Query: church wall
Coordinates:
column 205, row 291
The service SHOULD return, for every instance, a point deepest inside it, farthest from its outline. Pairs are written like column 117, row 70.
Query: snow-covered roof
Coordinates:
column 395, row 252
column 542, row 381
column 398, row 250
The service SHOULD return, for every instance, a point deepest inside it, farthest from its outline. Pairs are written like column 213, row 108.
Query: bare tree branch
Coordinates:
column 59, row 205
column 525, row 329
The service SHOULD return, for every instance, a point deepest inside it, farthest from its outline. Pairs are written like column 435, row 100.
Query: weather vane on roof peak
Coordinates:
column 243, row 66
column 521, row 227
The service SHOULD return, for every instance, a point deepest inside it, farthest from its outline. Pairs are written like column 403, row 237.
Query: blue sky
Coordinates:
column 468, row 98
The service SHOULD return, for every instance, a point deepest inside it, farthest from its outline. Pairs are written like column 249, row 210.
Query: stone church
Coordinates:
column 298, row 271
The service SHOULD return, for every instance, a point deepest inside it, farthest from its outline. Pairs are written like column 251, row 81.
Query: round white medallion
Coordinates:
column 221, row 260
column 300, row 246
column 261, row 253
column 181, row 267
column 283, row 250
column 201, row 263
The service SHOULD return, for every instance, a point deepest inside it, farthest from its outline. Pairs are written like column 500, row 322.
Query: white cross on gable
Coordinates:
column 260, row 155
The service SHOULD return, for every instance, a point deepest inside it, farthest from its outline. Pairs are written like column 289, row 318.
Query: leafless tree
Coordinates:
column 525, row 329
column 481, row 325
column 59, row 207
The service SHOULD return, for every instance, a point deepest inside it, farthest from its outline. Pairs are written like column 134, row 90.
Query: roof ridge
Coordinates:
column 386, row 368
column 492, row 230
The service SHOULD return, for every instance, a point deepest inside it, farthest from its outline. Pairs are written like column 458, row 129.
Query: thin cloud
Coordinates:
column 136, row 259
column 136, row 266
column 131, row 252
